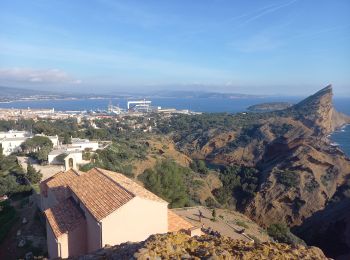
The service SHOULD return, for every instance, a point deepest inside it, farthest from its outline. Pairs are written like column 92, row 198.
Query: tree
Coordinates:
column 67, row 139
column 33, row 175
column 38, row 146
column 282, row 234
column 199, row 166
column 167, row 181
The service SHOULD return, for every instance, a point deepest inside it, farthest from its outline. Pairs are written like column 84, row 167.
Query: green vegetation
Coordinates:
column 167, row 180
column 119, row 156
column 11, row 176
column 38, row 147
column 211, row 203
column 33, row 175
column 199, row 166
column 280, row 130
column 281, row 233
column 290, row 179
column 241, row 223
column 239, row 186
column 311, row 185
column 329, row 175
column 8, row 217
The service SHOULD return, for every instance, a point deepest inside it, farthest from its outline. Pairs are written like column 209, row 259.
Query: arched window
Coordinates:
column 70, row 162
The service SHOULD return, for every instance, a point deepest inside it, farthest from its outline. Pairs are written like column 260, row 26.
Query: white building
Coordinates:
column 14, row 134
column 11, row 145
column 11, row 141
column 82, row 144
column 62, row 156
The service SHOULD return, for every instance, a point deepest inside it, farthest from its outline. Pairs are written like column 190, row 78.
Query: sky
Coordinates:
column 274, row 47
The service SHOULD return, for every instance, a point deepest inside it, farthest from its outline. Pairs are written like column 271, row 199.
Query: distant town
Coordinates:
column 134, row 108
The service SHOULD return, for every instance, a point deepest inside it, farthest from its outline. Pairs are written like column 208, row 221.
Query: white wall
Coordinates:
column 11, row 145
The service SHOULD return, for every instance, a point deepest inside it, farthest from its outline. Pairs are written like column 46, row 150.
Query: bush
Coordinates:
column 167, row 181
column 241, row 224
column 199, row 166
column 238, row 182
column 289, row 179
column 281, row 233
column 211, row 203
column 311, row 185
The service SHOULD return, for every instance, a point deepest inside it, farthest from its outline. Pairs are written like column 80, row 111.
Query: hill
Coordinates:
column 272, row 106
column 282, row 167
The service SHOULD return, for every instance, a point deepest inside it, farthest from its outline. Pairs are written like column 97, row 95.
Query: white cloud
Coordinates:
column 42, row 76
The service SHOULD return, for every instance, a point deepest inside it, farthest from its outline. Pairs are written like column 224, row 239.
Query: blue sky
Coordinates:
column 289, row 47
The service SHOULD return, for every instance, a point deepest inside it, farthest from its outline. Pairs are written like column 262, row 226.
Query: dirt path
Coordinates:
column 227, row 223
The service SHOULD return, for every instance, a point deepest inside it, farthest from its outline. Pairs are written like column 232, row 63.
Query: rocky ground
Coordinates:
column 182, row 246
column 25, row 237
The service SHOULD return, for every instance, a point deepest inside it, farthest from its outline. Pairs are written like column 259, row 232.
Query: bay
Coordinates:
column 209, row 105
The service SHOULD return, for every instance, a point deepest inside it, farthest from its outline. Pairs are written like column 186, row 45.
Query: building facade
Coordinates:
column 87, row 211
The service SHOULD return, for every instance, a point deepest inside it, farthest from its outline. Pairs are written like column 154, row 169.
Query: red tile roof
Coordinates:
column 99, row 194
column 131, row 185
column 177, row 223
column 64, row 217
column 100, row 191
column 58, row 183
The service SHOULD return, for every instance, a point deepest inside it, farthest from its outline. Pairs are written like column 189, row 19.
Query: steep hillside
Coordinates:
column 182, row 246
column 330, row 228
column 298, row 170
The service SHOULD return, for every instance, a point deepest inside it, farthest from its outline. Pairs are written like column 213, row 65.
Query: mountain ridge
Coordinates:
column 299, row 171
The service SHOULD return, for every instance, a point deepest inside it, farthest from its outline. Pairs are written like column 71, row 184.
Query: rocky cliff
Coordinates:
column 298, row 170
column 182, row 246
column 317, row 112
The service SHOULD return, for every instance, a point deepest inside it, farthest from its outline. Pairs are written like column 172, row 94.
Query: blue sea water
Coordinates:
column 342, row 137
column 194, row 104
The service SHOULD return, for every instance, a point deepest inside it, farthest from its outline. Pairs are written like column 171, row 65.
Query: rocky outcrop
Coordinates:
column 317, row 111
column 182, row 246
column 299, row 171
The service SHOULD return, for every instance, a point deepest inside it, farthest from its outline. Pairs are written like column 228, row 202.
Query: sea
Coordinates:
column 208, row 105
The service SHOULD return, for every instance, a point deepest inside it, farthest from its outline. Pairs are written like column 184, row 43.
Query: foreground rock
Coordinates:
column 182, row 246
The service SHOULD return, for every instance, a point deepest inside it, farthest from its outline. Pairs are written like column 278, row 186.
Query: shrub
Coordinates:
column 241, row 223
column 312, row 185
column 239, row 182
column 199, row 166
column 211, row 203
column 289, row 179
column 167, row 181
column 281, row 233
